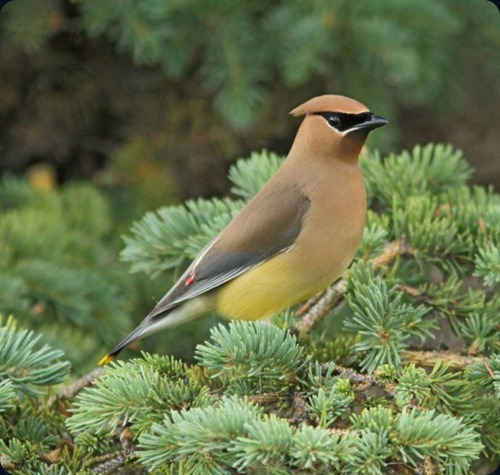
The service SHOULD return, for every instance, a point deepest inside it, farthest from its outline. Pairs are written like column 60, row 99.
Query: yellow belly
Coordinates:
column 269, row 288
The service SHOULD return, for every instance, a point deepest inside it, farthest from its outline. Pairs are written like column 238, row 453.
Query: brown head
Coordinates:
column 334, row 125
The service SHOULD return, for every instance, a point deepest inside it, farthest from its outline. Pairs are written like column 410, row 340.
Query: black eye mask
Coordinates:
column 342, row 121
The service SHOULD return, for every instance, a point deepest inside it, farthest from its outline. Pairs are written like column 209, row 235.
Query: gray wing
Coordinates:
column 256, row 234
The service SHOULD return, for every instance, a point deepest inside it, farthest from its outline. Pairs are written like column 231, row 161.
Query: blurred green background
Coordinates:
column 110, row 108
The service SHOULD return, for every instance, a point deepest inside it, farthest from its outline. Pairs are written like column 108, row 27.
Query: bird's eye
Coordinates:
column 334, row 120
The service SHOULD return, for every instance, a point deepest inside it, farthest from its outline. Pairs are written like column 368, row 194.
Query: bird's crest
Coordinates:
column 329, row 103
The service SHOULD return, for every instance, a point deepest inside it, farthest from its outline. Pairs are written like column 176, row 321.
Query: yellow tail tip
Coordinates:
column 105, row 360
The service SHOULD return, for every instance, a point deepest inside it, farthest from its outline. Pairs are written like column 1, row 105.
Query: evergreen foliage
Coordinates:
column 215, row 79
column 382, row 320
column 164, row 239
column 55, row 266
column 305, row 41
column 27, row 370
column 249, row 175
column 24, row 367
column 276, row 355
column 367, row 396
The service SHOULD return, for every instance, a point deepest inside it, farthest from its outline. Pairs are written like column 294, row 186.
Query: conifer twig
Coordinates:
column 301, row 412
column 428, row 359
column 329, row 299
column 316, row 308
column 266, row 397
column 363, row 382
column 67, row 392
column 117, row 460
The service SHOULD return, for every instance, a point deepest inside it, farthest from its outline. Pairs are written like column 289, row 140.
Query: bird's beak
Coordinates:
column 372, row 123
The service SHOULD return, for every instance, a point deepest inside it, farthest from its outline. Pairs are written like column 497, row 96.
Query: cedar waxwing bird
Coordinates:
column 296, row 236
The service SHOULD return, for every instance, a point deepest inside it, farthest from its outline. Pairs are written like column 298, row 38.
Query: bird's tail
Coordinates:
column 161, row 320
column 138, row 332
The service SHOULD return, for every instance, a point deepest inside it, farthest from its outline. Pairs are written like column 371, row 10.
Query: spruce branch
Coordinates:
column 164, row 239
column 327, row 407
column 267, row 442
column 124, row 395
column 63, row 283
column 371, row 453
column 472, row 318
column 487, row 263
column 113, row 462
column 258, row 354
column 249, row 175
column 317, row 450
column 382, row 320
column 431, row 168
column 429, row 359
column 415, row 434
column 261, row 402
column 321, row 306
column 26, row 365
column 69, row 391
column 431, row 233
column 347, row 382
column 449, row 299
column 441, row 437
column 199, row 438
column 7, row 393
column 318, row 307
column 301, row 412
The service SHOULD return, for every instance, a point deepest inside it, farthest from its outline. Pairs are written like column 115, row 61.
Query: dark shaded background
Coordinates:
column 160, row 99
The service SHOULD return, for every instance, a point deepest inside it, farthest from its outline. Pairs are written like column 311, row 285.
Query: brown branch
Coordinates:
column 426, row 299
column 114, row 462
column 266, row 398
column 67, row 392
column 317, row 307
column 307, row 305
column 301, row 412
column 362, row 381
column 429, row 358
column 328, row 300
